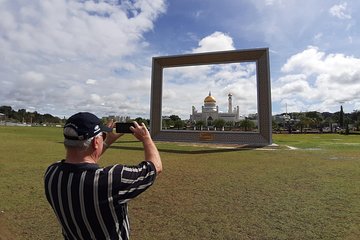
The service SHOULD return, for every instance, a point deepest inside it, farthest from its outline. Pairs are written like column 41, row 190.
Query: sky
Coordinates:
column 65, row 56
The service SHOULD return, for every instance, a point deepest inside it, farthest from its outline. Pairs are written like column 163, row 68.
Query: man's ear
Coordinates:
column 96, row 142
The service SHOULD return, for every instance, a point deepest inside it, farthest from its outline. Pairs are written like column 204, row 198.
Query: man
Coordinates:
column 90, row 202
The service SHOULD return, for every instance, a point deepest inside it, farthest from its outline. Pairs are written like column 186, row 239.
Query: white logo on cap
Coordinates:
column 96, row 129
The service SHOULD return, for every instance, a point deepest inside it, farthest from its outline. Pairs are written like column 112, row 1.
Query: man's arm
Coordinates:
column 150, row 150
column 111, row 137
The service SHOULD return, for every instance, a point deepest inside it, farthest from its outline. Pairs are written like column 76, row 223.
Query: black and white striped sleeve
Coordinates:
column 130, row 181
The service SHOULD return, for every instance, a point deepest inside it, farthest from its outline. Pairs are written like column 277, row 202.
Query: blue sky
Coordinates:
column 60, row 57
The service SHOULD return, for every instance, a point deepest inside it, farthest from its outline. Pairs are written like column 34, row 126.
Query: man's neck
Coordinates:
column 76, row 158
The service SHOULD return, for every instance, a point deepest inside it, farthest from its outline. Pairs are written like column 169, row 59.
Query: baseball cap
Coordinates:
column 86, row 125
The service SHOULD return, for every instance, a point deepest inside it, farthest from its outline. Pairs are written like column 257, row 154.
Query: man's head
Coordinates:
column 81, row 128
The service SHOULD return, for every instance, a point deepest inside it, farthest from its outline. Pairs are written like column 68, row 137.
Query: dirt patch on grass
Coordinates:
column 5, row 234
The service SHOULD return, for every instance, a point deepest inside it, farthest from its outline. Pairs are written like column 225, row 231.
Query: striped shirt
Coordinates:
column 91, row 202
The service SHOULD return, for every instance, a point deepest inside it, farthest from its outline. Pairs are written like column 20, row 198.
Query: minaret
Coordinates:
column 230, row 103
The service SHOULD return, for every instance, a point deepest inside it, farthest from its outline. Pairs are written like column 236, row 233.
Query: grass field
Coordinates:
column 306, row 188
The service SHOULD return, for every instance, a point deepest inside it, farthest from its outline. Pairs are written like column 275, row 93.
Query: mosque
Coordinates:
column 210, row 112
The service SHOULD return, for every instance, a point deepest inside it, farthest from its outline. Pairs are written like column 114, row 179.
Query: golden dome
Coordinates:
column 209, row 99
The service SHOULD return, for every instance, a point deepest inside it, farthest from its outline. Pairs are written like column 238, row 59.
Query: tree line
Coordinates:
column 296, row 120
column 23, row 116
column 317, row 120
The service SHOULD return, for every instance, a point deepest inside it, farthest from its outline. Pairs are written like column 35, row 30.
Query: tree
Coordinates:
column 229, row 124
column 21, row 114
column 174, row 118
column 357, row 125
column 355, row 118
column 247, row 124
column 142, row 120
column 167, row 123
column 179, row 124
column 219, row 123
column 200, row 124
column 7, row 110
column 341, row 117
column 275, row 125
column 328, row 122
column 316, row 118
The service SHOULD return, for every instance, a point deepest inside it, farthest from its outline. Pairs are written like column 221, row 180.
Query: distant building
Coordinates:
column 119, row 118
column 210, row 111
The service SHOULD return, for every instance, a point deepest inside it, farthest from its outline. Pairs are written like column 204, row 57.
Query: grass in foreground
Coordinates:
column 307, row 188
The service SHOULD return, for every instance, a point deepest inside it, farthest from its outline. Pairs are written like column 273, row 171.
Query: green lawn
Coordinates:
column 306, row 188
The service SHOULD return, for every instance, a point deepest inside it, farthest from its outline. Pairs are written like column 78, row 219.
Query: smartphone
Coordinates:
column 124, row 127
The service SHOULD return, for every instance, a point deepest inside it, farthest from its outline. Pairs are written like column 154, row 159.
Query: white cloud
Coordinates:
column 292, row 85
column 91, row 81
column 338, row 67
column 33, row 77
column 96, row 99
column 217, row 41
column 340, row 11
column 73, row 28
column 57, row 51
column 318, row 80
column 305, row 61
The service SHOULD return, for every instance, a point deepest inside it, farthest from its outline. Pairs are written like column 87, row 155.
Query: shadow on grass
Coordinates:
column 187, row 151
column 219, row 149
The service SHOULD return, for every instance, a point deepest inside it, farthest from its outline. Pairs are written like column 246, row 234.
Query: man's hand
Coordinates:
column 150, row 150
column 140, row 132
column 112, row 137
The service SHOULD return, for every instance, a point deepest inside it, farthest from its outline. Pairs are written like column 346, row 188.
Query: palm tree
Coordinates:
column 199, row 124
column 219, row 123
column 247, row 124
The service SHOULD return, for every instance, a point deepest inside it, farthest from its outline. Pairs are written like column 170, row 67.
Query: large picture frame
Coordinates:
column 261, row 138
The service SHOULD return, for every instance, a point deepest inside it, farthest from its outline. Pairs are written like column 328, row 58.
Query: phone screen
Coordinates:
column 124, row 127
